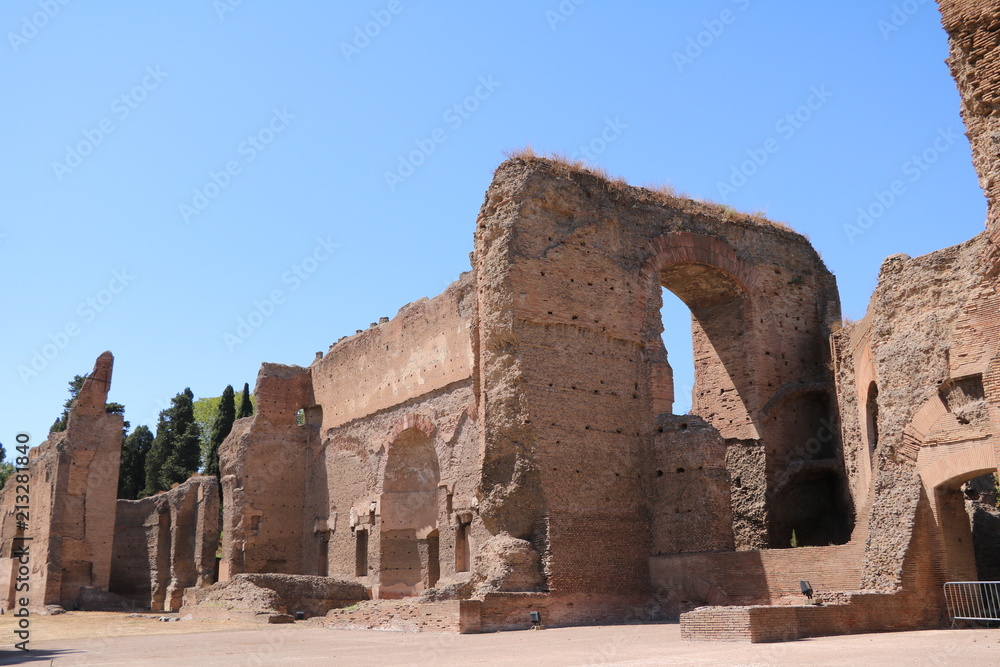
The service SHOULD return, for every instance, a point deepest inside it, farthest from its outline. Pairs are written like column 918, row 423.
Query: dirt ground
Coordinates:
column 116, row 639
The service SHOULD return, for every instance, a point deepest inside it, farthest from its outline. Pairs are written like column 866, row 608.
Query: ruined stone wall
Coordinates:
column 974, row 60
column 855, row 375
column 570, row 268
column 74, row 482
column 426, row 347
column 356, row 457
column 929, row 344
column 264, row 465
column 690, row 506
column 166, row 543
column 323, row 498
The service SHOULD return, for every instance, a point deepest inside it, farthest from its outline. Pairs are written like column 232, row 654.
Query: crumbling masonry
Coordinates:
column 510, row 445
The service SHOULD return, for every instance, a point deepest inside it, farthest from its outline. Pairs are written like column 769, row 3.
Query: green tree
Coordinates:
column 132, row 473
column 6, row 468
column 246, row 403
column 175, row 452
column 221, row 427
column 204, row 414
column 75, row 385
column 205, row 410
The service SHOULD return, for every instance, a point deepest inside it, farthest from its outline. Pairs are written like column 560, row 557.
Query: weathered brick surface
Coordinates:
column 166, row 543
column 271, row 595
column 570, row 269
column 509, row 445
column 460, row 616
column 73, row 484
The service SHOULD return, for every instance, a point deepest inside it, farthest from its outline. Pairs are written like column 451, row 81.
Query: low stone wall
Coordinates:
column 861, row 612
column 509, row 611
column 269, row 595
column 461, row 616
column 685, row 581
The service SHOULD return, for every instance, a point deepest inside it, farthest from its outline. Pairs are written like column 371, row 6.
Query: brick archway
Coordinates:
column 408, row 527
column 943, row 470
column 691, row 248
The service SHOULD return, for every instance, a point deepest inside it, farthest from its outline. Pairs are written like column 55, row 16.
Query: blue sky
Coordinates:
column 169, row 169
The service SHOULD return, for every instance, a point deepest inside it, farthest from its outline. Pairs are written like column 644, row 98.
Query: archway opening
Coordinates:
column 981, row 504
column 703, row 320
column 812, row 511
column 969, row 524
column 408, row 560
column 678, row 350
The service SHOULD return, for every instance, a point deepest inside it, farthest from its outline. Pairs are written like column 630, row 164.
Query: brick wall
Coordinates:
column 166, row 543
column 460, row 616
column 685, row 581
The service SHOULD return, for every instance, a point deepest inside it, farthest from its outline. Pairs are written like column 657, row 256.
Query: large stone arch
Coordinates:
column 716, row 285
column 789, row 427
column 569, row 272
column 943, row 469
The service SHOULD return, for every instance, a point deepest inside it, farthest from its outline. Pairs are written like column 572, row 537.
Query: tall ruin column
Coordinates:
column 74, row 478
column 973, row 28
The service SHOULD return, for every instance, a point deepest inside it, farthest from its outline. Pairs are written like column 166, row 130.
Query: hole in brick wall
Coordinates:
column 684, row 426
column 680, row 470
column 659, row 473
column 361, row 553
column 463, row 549
column 871, row 420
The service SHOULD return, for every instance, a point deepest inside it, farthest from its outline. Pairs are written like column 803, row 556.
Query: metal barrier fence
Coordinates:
column 973, row 600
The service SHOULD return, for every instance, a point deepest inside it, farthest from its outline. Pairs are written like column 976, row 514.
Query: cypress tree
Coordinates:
column 175, row 452
column 221, row 427
column 132, row 473
column 246, row 407
column 185, row 455
column 158, row 453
